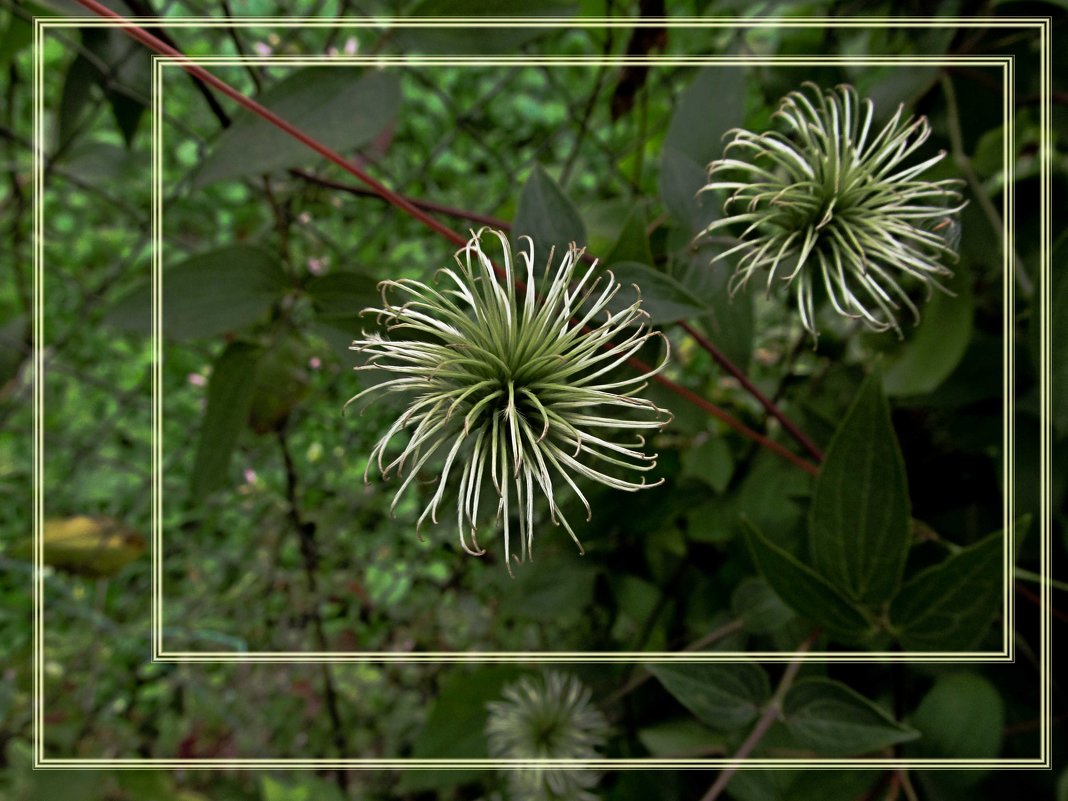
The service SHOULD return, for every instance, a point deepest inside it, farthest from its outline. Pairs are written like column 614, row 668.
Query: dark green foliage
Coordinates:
column 271, row 540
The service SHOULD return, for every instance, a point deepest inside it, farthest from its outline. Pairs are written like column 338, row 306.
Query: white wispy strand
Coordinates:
column 511, row 387
column 828, row 202
column 550, row 717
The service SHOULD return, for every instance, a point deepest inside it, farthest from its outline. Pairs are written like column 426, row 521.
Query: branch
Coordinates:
column 767, row 718
column 310, row 554
column 407, row 206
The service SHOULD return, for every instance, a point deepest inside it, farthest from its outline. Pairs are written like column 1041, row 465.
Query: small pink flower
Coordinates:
column 250, row 475
column 351, row 46
column 262, row 48
column 304, row 218
column 331, row 51
column 196, row 379
column 314, row 363
column 316, row 266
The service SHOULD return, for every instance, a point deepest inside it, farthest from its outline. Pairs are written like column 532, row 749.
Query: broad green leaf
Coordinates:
column 342, row 107
column 207, row 294
column 729, row 321
column 281, row 384
column 455, row 726
column 663, row 297
column 805, row 590
column 962, row 717
column 950, row 606
column 835, row 720
column 632, row 245
column 550, row 587
column 466, row 39
column 709, row 461
column 938, row 344
column 80, row 78
column 343, row 294
column 18, row 33
column 713, row 103
column 758, row 607
column 799, row 785
column 300, row 787
column 681, row 738
column 127, row 82
column 230, row 390
column 724, row 696
column 547, row 216
column 859, row 521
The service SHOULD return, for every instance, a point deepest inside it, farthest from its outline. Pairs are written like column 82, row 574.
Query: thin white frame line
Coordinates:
column 1007, row 653
column 1045, row 486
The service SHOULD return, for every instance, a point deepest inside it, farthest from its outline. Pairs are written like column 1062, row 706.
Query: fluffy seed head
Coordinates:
column 549, row 717
column 511, row 385
column 832, row 202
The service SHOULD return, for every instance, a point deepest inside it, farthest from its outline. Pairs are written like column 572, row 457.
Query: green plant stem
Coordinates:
column 956, row 140
column 1027, row 575
column 771, row 712
column 407, row 206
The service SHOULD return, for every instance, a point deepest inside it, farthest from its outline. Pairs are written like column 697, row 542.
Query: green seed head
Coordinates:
column 833, row 202
column 511, row 383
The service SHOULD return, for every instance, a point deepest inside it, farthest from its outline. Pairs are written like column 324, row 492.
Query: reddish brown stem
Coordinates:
column 768, row 404
column 706, row 344
column 401, row 202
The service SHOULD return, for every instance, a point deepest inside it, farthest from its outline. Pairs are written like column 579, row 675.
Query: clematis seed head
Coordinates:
column 511, row 382
column 834, row 202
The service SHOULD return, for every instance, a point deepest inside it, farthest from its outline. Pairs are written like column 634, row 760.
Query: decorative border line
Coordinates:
column 1043, row 25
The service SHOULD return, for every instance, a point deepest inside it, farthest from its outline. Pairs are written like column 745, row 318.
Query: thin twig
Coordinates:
column 404, row 204
column 768, row 717
column 310, row 555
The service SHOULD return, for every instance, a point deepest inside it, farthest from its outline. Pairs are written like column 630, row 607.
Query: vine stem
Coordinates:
column 767, row 718
column 404, row 204
column 702, row 341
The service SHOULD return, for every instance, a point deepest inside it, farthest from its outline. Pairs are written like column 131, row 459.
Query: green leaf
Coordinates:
column 463, row 40
column 859, row 521
column 549, row 588
column 805, row 590
column 834, row 720
column 301, row 787
column 681, row 738
column 343, row 294
column 633, row 243
column 709, row 461
column 950, row 606
column 80, row 78
column 207, row 294
column 938, row 344
column 230, row 390
column 713, row 103
column 962, row 717
column 127, row 82
column 758, row 607
column 729, row 320
column 663, row 297
column 724, row 696
column 455, row 726
column 547, row 216
column 341, row 107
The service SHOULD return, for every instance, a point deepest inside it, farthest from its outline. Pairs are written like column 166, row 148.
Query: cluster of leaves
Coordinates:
column 274, row 542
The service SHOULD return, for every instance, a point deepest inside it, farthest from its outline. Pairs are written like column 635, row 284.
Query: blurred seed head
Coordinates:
column 511, row 382
column 547, row 717
column 832, row 204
